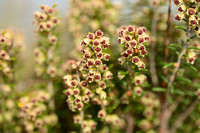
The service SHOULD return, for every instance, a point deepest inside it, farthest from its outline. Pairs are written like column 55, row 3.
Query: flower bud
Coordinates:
column 138, row 90
column 103, row 95
column 102, row 114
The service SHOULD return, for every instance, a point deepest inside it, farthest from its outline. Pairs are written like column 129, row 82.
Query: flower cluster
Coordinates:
column 34, row 114
column 76, row 96
column 11, row 44
column 145, row 125
column 151, row 105
column 188, row 11
column 45, row 22
column 93, row 55
column 133, row 41
column 115, row 121
column 192, row 53
column 5, row 57
column 92, row 67
column 139, row 79
column 88, row 125
column 150, row 102
column 93, row 72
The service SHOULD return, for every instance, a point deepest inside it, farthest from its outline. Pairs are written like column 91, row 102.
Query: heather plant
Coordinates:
column 90, row 83
column 46, row 59
column 37, row 108
column 34, row 112
column 10, row 47
column 146, row 80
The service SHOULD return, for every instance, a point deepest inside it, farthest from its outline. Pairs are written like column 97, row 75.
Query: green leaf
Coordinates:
column 168, row 65
column 194, row 36
column 159, row 89
column 179, row 92
column 195, row 48
column 144, row 70
column 4, row 32
column 177, row 53
column 64, row 91
column 87, row 106
column 164, row 78
column 114, row 106
column 196, row 85
column 186, row 55
column 122, row 45
column 54, row 5
column 122, row 73
column 111, row 66
column 182, row 28
column 172, row 89
column 184, row 80
column 112, row 85
column 13, row 59
column 175, row 45
column 171, row 48
column 191, row 67
column 190, row 93
column 182, row 42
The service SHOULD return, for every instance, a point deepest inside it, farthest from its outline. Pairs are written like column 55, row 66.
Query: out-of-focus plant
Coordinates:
column 11, row 44
column 38, row 107
column 47, row 61
column 101, row 14
column 34, row 112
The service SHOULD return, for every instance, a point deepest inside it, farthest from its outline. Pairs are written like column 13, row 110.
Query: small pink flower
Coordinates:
column 99, row 33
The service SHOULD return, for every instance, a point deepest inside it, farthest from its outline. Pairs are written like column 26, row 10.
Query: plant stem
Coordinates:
column 82, row 119
column 130, row 116
column 51, row 92
column 152, row 61
column 182, row 117
column 130, row 70
column 167, row 41
column 165, row 110
column 130, row 124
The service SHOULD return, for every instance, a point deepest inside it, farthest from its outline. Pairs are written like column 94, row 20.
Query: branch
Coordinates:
column 182, row 117
column 165, row 116
column 130, row 124
column 172, row 78
column 167, row 41
column 82, row 119
column 152, row 61
column 165, row 113
column 51, row 92
column 130, row 70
